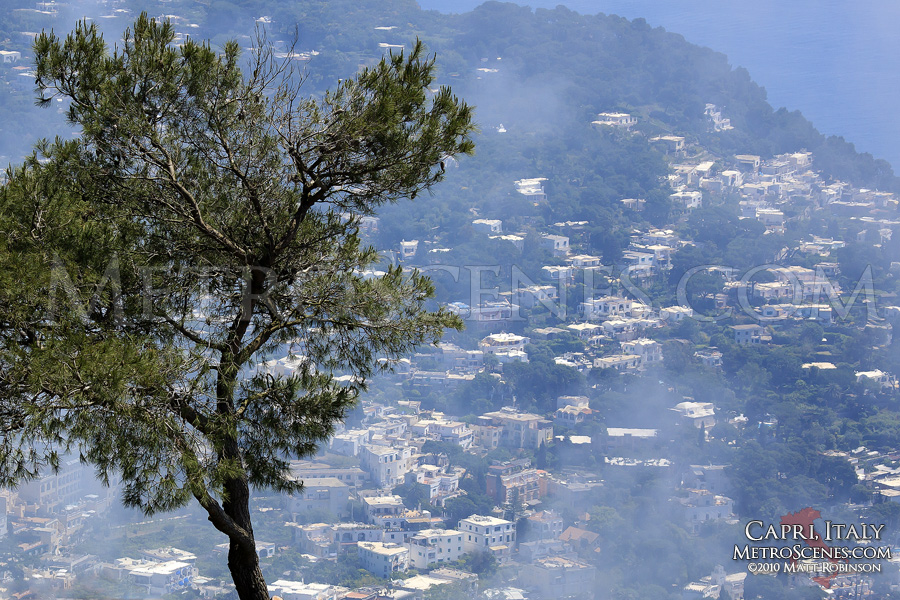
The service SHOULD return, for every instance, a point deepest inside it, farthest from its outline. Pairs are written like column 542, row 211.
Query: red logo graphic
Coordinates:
column 805, row 518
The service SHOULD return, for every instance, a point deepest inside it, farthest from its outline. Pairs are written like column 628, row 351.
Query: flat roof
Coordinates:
column 623, row 431
column 484, row 520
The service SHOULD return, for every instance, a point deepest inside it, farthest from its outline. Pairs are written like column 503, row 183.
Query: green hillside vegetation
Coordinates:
column 579, row 64
column 544, row 75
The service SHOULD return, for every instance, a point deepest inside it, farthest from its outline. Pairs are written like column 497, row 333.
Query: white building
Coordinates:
column 731, row 178
column 748, row 162
column 158, row 577
column 886, row 380
column 327, row 494
column 674, row 314
column 503, row 342
column 10, row 56
column 386, row 465
column 507, row 347
column 698, row 414
column 386, row 511
column 563, row 274
column 487, row 314
column 607, row 306
column 557, row 244
column 488, row 534
column 633, row 258
column 433, row 546
column 585, row 261
column 662, row 254
column 672, row 143
column 614, row 119
column 662, row 237
column 627, row 438
column 518, row 429
column 368, row 224
column 488, row 225
column 748, row 334
column 808, row 282
column 571, row 415
column 635, row 204
column 297, row 590
column 532, row 189
column 516, row 240
column 560, row 577
column 71, row 481
column 442, row 482
column 770, row 217
column 649, row 350
column 455, row 358
column 455, row 432
column 591, row 333
column 408, row 249
column 687, row 199
column 702, row 505
column 577, row 401
column 383, row 559
column 286, row 366
column 626, row 328
column 709, row 357
column 719, row 122
column 348, row 443
column 532, row 295
column 619, row 362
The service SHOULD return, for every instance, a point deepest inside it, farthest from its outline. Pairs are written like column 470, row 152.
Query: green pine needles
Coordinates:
column 206, row 221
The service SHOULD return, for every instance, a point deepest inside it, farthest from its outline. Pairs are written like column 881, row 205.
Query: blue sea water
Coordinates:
column 837, row 62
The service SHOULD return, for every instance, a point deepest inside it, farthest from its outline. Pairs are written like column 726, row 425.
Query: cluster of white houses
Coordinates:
column 426, row 548
column 617, row 331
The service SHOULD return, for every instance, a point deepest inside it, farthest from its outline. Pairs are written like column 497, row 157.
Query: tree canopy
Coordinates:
column 185, row 300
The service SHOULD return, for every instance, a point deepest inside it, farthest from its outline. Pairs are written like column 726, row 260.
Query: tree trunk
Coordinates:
column 243, row 562
column 248, row 579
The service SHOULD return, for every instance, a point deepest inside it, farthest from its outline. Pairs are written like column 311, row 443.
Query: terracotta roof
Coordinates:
column 573, row 534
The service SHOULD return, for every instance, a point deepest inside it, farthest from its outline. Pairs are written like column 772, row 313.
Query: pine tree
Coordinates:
column 203, row 223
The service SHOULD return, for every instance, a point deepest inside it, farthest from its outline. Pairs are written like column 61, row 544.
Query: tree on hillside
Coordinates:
column 204, row 224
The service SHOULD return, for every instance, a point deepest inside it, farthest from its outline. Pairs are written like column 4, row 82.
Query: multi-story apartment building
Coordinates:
column 157, row 578
column 65, row 486
column 455, row 432
column 383, row 559
column 605, row 307
column 327, row 494
column 515, row 480
column 384, row 510
column 304, row 469
column 433, row 546
column 442, row 482
column 518, row 429
column 545, row 525
column 387, row 465
column 560, row 577
column 488, row 534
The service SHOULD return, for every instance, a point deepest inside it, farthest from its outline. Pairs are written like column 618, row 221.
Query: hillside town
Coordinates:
column 386, row 488
column 607, row 401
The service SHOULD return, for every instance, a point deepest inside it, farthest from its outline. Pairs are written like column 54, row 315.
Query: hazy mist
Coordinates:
column 836, row 62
